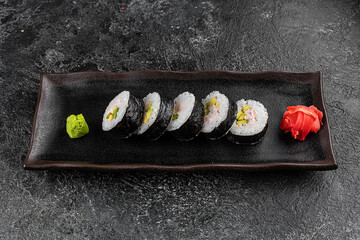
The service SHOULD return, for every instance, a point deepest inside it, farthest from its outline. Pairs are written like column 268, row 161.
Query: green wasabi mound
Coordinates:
column 76, row 126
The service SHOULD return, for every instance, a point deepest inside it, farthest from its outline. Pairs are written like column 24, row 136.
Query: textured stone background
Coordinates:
column 57, row 36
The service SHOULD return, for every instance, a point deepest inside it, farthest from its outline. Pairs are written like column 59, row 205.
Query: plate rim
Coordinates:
column 329, row 163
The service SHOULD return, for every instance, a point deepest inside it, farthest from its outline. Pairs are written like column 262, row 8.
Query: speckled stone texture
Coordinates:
column 59, row 36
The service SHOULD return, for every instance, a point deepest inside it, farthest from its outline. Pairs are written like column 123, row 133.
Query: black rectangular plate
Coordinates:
column 61, row 95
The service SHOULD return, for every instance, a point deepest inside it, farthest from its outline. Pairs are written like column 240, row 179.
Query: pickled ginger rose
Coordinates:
column 300, row 120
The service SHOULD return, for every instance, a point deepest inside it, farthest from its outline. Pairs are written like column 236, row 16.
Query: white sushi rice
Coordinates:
column 217, row 115
column 155, row 99
column 184, row 105
column 254, row 126
column 120, row 101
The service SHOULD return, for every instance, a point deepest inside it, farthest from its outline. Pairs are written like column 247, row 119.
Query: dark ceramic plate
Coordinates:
column 89, row 93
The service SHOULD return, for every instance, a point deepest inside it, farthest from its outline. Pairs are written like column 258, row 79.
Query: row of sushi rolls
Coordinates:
column 185, row 117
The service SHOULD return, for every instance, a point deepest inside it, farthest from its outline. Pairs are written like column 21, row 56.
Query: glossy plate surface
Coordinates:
column 61, row 95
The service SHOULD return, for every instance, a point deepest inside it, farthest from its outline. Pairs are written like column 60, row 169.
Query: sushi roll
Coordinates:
column 157, row 116
column 220, row 114
column 188, row 117
column 251, row 123
column 123, row 114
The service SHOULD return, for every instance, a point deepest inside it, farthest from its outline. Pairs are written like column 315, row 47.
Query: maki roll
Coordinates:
column 220, row 114
column 188, row 117
column 251, row 123
column 157, row 116
column 123, row 114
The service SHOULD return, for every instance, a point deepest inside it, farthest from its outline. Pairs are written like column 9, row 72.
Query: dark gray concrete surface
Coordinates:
column 57, row 36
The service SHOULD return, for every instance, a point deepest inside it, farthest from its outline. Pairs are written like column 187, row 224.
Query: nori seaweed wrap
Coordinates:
column 123, row 115
column 220, row 115
column 251, row 123
column 188, row 117
column 157, row 116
